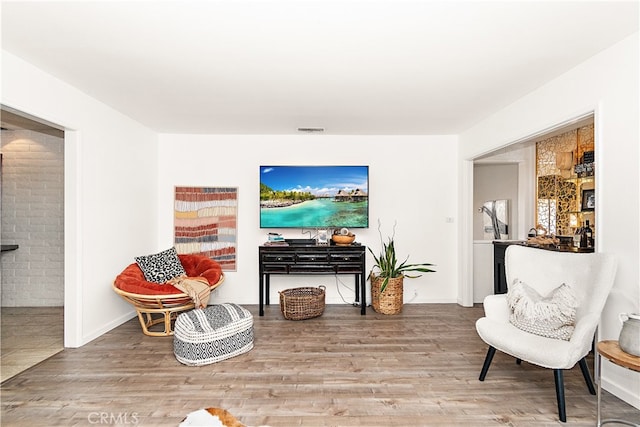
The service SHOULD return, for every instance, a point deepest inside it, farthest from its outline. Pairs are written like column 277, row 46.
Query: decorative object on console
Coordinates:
column 205, row 223
column 543, row 241
column 387, row 276
column 343, row 237
column 276, row 239
column 322, row 237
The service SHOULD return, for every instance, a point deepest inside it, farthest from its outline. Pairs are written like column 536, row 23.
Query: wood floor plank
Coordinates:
column 29, row 336
column 418, row 368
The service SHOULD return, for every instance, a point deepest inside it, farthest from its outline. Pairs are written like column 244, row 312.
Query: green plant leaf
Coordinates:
column 388, row 266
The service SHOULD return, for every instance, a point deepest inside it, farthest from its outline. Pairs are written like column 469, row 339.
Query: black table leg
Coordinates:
column 363, row 299
column 261, row 294
column 266, row 290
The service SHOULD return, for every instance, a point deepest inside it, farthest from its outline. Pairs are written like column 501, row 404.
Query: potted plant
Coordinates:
column 387, row 276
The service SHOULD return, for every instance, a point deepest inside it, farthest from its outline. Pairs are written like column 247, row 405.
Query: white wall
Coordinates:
column 412, row 179
column 482, row 270
column 608, row 84
column 495, row 182
column 110, row 193
column 491, row 182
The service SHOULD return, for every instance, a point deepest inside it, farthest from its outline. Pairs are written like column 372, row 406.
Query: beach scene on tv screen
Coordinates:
column 314, row 196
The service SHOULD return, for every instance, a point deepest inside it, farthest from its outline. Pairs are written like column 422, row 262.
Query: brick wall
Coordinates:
column 32, row 217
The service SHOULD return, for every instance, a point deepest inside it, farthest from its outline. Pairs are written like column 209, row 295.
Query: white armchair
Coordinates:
column 590, row 276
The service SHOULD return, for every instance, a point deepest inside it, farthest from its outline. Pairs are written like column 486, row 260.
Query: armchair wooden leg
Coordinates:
column 559, row 379
column 487, row 362
column 587, row 376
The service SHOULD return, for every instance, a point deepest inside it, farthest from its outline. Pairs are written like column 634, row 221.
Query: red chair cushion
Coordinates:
column 132, row 278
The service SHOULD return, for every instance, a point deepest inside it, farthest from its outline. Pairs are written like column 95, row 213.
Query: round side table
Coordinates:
column 612, row 352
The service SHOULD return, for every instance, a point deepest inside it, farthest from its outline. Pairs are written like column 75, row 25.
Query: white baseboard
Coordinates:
column 107, row 327
column 622, row 393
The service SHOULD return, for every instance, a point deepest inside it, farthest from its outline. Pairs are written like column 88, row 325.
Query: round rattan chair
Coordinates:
column 161, row 303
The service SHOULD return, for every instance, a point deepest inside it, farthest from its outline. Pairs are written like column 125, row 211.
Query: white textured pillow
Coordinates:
column 552, row 316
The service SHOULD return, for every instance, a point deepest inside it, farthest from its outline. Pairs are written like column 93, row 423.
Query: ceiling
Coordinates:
column 350, row 66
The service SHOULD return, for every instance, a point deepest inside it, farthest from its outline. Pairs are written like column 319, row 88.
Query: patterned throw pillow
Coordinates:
column 161, row 267
column 552, row 316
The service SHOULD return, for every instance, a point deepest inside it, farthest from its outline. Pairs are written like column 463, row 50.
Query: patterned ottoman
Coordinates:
column 212, row 334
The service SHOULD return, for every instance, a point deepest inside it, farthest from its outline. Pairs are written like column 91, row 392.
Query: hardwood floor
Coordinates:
column 29, row 336
column 418, row 368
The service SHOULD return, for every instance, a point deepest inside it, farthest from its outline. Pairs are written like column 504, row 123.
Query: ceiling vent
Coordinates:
column 311, row 130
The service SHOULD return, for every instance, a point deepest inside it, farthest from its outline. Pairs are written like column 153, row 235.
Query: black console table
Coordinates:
column 499, row 277
column 500, row 249
column 303, row 256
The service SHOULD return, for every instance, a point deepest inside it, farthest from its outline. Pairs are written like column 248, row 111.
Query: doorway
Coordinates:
column 32, row 261
column 493, row 183
column 523, row 154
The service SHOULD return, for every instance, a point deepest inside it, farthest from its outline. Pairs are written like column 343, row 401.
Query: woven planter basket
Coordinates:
column 302, row 303
column 391, row 300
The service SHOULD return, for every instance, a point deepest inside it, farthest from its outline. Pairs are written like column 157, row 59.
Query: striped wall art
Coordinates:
column 205, row 222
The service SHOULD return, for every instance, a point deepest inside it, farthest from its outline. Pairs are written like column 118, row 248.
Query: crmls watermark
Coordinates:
column 111, row 418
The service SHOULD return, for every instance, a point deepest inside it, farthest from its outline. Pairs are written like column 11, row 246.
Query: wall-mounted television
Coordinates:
column 314, row 196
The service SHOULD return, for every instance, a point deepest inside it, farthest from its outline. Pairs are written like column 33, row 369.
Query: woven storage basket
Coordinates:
column 391, row 300
column 302, row 303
